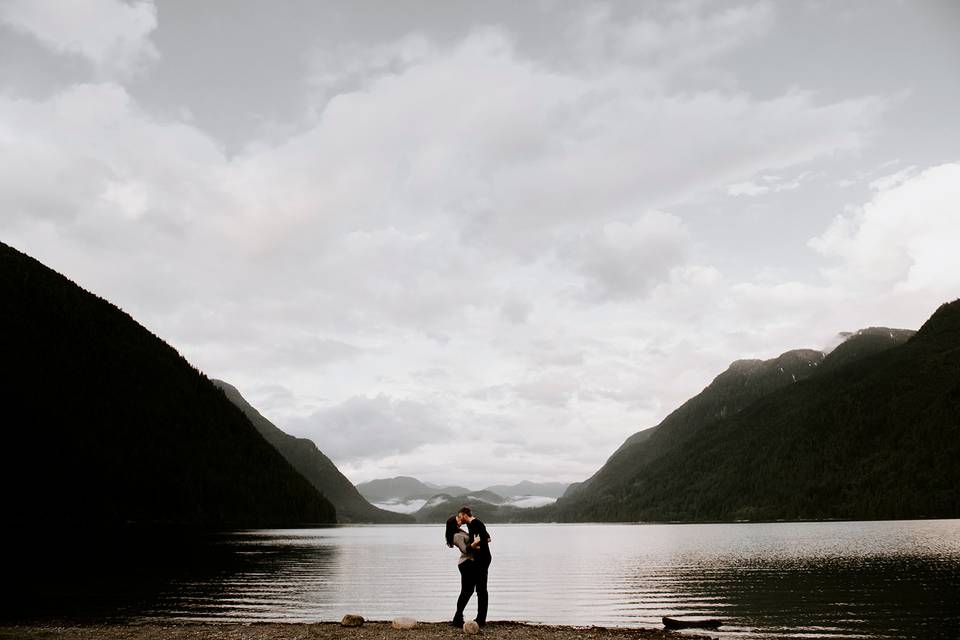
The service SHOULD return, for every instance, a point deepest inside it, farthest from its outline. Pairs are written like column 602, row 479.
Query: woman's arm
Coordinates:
column 461, row 543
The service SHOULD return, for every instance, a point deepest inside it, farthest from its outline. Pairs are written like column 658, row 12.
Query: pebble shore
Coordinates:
column 325, row 631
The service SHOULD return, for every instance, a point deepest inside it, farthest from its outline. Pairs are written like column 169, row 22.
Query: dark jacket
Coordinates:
column 477, row 528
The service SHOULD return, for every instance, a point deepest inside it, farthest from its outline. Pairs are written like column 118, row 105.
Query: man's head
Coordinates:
column 464, row 515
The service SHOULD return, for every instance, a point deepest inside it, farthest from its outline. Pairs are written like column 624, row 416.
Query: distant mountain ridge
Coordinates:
column 306, row 458
column 873, row 431
column 105, row 424
column 527, row 488
column 485, row 505
column 402, row 488
column 408, row 489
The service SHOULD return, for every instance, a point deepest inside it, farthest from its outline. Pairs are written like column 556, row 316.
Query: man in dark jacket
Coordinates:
column 482, row 558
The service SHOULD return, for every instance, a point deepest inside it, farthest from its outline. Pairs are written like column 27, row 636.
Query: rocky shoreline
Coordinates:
column 324, row 631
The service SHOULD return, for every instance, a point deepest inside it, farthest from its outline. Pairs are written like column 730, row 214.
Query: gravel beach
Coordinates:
column 324, row 631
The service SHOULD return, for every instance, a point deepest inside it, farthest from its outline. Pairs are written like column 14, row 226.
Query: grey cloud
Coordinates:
column 629, row 259
column 364, row 427
column 670, row 35
column 515, row 311
column 550, row 391
column 114, row 36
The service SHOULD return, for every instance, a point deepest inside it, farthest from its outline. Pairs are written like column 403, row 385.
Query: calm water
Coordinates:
column 832, row 580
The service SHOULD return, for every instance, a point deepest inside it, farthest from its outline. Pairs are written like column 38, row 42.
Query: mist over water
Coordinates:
column 839, row 579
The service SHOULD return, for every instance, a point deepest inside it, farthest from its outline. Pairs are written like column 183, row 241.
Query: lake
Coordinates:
column 896, row 579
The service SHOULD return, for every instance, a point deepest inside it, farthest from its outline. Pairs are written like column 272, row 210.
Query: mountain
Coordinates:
column 873, row 432
column 744, row 382
column 485, row 505
column 403, row 488
column 408, row 489
column 527, row 488
column 105, row 424
column 452, row 488
column 864, row 342
column 306, row 458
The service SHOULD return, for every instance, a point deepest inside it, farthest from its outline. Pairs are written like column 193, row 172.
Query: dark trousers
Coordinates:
column 482, row 568
column 468, row 583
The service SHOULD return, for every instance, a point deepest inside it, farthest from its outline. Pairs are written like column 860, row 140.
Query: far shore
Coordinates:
column 322, row 631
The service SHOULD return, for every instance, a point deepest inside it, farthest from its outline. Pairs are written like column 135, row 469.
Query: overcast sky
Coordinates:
column 480, row 242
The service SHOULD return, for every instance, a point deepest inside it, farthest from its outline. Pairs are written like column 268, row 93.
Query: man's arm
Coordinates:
column 482, row 532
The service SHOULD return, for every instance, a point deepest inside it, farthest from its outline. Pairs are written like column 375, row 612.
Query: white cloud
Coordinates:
column 904, row 239
column 529, row 502
column 891, row 180
column 747, row 189
column 81, row 156
column 114, row 36
column 767, row 184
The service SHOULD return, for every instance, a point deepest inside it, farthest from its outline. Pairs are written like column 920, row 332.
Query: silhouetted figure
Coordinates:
column 457, row 537
column 481, row 558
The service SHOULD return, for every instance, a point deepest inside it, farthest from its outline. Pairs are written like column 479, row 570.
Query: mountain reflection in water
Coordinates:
column 836, row 579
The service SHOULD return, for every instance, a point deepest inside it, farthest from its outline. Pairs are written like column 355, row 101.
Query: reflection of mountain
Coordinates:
column 870, row 431
column 762, row 593
column 306, row 458
column 104, row 423
column 92, row 576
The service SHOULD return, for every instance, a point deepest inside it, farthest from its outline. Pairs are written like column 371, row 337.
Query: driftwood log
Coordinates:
column 691, row 623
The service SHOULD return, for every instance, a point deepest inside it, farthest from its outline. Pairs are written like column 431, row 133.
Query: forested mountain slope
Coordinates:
column 105, row 424
column 873, row 432
column 306, row 458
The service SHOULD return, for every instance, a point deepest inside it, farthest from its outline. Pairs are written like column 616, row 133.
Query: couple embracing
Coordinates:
column 474, row 561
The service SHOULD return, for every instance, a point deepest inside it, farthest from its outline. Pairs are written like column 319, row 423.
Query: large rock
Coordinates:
column 352, row 620
column 404, row 623
column 470, row 627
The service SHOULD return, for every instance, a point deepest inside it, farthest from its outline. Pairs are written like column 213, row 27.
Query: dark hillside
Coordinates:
column 873, row 437
column 106, row 424
column 864, row 343
column 743, row 383
column 306, row 458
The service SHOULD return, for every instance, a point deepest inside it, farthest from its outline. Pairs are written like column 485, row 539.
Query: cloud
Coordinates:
column 627, row 259
column 884, row 183
column 671, row 35
column 766, row 184
column 364, row 427
column 113, row 36
column 903, row 239
column 80, row 157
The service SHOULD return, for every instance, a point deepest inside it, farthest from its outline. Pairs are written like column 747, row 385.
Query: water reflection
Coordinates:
column 267, row 576
column 876, row 580
column 898, row 596
column 117, row 576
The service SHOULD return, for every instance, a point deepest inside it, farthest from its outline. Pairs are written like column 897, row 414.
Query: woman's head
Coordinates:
column 452, row 528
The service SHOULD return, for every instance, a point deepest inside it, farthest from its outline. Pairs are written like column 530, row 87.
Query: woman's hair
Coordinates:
column 452, row 528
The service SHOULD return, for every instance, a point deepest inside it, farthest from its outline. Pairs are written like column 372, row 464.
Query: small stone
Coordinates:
column 470, row 627
column 352, row 620
column 404, row 623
